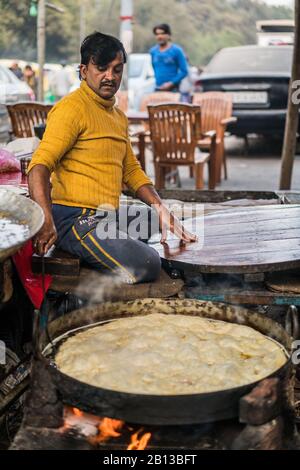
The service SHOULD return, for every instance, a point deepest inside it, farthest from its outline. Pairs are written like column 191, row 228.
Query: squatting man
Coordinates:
column 87, row 154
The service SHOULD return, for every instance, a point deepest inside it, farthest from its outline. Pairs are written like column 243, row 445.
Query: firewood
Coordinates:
column 268, row 436
column 262, row 404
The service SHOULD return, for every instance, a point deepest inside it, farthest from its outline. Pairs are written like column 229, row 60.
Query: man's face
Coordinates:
column 104, row 80
column 162, row 38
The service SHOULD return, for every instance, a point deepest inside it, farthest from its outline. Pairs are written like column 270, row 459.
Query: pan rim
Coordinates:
column 68, row 333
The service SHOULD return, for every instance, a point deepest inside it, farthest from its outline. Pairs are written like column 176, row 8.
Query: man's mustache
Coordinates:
column 112, row 84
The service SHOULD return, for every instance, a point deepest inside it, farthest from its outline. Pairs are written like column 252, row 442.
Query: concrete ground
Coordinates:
column 259, row 169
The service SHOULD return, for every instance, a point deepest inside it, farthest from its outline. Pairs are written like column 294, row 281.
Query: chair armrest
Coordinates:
column 211, row 133
column 139, row 133
column 208, row 138
column 230, row 120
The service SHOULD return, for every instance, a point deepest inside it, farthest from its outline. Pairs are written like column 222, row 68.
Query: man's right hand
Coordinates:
column 39, row 189
column 46, row 237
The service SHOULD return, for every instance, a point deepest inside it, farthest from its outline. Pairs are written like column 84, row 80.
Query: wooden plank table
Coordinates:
column 137, row 117
column 248, row 240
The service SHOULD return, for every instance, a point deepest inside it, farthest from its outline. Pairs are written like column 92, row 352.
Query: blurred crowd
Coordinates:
column 165, row 67
column 58, row 79
column 27, row 74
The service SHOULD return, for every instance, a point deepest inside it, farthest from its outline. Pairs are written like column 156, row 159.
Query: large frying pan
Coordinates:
column 155, row 409
column 19, row 208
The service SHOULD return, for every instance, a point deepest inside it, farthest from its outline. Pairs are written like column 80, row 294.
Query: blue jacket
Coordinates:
column 169, row 65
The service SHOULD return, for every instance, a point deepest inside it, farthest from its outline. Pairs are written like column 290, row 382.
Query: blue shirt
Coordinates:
column 169, row 65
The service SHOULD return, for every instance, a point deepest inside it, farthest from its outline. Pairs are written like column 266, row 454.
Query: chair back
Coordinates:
column 215, row 106
column 175, row 129
column 159, row 97
column 24, row 116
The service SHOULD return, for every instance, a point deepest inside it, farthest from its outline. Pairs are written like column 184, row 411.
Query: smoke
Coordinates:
column 98, row 288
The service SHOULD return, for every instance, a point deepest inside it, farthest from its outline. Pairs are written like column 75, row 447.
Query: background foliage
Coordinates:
column 200, row 26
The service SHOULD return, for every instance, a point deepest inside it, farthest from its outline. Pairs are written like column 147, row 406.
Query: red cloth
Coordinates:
column 14, row 178
column 32, row 282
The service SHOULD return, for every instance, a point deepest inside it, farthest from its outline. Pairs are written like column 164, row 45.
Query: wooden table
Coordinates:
column 250, row 240
column 137, row 117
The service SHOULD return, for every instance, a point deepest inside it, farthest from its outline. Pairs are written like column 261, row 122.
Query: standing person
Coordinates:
column 87, row 154
column 61, row 82
column 15, row 69
column 30, row 78
column 187, row 86
column 168, row 60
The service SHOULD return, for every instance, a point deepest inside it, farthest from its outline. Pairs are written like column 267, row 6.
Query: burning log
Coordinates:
column 100, row 430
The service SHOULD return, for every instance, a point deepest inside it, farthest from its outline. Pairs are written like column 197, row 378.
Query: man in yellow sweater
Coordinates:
column 87, row 153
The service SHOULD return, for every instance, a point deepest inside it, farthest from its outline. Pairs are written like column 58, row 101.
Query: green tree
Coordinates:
column 200, row 26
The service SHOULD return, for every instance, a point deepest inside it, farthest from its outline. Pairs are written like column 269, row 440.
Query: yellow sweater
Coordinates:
column 87, row 148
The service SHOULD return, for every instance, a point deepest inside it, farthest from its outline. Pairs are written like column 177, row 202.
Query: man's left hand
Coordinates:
column 168, row 221
column 167, row 86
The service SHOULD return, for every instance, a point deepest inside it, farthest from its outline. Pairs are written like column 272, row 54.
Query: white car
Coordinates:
column 141, row 80
column 12, row 90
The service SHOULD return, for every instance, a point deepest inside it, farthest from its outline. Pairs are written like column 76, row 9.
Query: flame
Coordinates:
column 77, row 412
column 110, row 428
column 139, row 443
column 107, row 428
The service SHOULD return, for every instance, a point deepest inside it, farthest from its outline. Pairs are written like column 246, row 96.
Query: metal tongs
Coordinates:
column 40, row 322
column 292, row 323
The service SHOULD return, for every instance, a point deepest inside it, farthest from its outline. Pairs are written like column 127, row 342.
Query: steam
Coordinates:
column 97, row 288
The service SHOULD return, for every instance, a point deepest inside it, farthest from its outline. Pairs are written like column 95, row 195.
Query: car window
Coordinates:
column 258, row 59
column 136, row 65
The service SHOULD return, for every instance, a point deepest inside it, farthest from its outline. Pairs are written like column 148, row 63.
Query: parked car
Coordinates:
column 141, row 79
column 12, row 90
column 4, row 124
column 258, row 78
column 272, row 32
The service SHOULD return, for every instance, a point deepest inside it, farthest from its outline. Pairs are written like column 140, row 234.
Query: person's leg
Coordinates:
column 134, row 260
column 103, row 246
column 64, row 217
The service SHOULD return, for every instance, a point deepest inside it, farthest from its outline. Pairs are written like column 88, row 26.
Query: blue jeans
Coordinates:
column 79, row 233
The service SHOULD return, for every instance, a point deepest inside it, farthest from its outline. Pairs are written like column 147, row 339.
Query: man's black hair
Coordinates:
column 101, row 49
column 164, row 27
